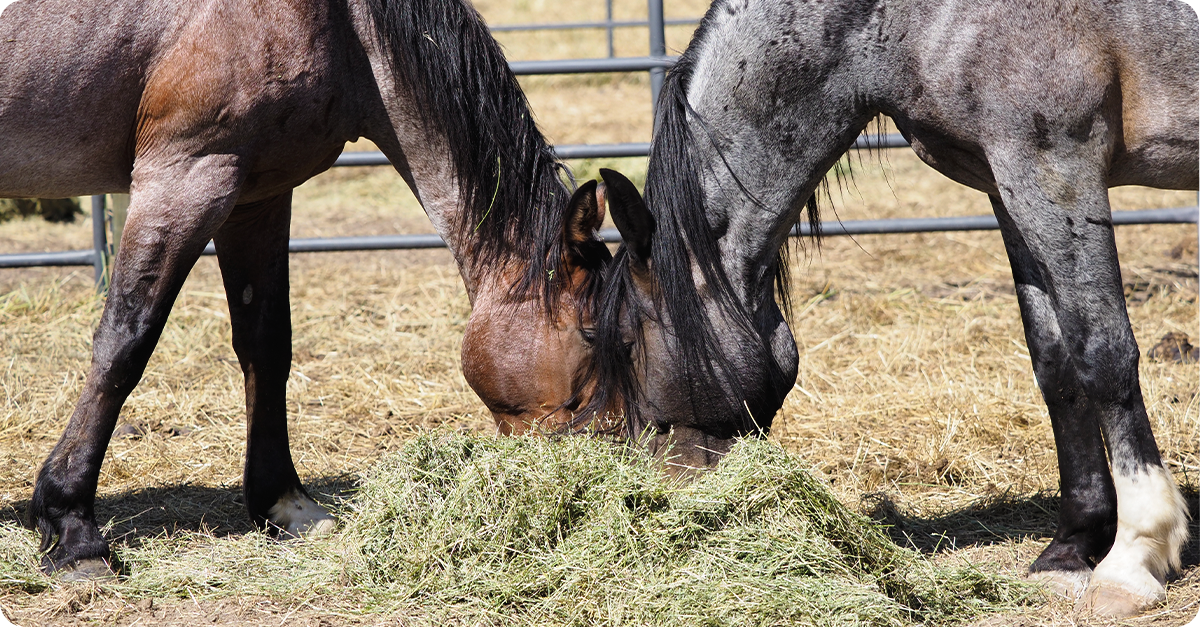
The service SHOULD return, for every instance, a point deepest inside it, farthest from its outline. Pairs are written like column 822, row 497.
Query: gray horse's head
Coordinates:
column 691, row 342
column 688, row 367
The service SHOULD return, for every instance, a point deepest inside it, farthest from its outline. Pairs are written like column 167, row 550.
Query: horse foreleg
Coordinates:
column 1058, row 213
column 1087, row 515
column 173, row 212
column 252, row 251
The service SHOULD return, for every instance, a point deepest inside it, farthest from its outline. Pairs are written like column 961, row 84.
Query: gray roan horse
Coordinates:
column 209, row 113
column 1043, row 105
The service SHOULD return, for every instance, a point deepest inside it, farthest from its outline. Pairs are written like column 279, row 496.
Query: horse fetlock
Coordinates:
column 297, row 515
column 79, row 552
column 1151, row 529
column 1063, row 568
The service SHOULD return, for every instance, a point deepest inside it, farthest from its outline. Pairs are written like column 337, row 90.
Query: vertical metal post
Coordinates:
column 608, row 17
column 658, row 48
column 99, row 242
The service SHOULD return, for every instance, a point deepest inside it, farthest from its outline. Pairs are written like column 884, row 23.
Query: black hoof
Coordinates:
column 74, row 545
column 1063, row 568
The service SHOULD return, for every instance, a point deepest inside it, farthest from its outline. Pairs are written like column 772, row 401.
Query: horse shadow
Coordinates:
column 997, row 520
column 129, row 517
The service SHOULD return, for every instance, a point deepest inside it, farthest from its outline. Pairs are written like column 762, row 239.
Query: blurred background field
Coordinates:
column 915, row 400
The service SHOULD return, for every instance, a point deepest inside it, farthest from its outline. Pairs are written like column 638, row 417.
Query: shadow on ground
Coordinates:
column 1002, row 519
column 128, row 517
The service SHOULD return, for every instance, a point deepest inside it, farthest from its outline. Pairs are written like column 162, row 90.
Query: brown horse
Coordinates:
column 209, row 114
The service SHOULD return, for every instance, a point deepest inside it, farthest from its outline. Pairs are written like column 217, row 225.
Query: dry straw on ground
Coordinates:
column 915, row 399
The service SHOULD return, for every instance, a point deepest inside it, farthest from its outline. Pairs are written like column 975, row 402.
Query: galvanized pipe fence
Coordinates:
column 656, row 65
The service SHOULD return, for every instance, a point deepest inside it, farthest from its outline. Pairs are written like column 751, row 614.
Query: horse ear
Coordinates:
column 630, row 214
column 585, row 212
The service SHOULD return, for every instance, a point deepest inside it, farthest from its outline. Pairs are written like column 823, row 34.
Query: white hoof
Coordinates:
column 297, row 516
column 1069, row 584
column 1151, row 529
column 1114, row 601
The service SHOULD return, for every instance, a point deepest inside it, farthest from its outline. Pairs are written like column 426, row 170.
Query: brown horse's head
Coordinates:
column 526, row 352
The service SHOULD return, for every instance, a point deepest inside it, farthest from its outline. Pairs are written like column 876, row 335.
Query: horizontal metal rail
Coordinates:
column 593, row 151
column 1175, row 215
column 564, row 151
column 86, row 257
column 590, row 66
column 981, row 223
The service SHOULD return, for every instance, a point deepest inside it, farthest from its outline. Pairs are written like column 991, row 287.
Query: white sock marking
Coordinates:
column 1151, row 529
column 300, row 516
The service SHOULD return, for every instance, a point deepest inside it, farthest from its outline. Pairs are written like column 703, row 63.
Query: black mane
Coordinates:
column 683, row 237
column 508, row 175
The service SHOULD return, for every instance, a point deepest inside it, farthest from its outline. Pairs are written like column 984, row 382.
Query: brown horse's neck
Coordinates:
column 454, row 120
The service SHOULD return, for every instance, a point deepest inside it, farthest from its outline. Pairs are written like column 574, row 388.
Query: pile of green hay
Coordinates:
column 459, row 529
column 580, row 532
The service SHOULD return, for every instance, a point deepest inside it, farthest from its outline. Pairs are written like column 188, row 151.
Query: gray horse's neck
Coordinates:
column 772, row 114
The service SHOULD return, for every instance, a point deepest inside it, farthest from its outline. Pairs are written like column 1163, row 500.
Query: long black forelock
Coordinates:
column 509, row 177
column 615, row 394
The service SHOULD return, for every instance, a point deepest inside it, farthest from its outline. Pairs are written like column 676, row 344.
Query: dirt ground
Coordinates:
column 915, row 398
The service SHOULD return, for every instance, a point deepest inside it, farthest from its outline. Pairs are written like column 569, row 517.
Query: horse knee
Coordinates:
column 1107, row 368
column 1052, row 369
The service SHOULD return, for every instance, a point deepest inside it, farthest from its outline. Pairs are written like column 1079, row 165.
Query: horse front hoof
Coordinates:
column 1117, row 602
column 86, row 570
column 296, row 515
column 1069, row 584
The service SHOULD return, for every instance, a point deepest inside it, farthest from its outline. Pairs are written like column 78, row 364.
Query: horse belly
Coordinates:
column 1156, row 45
column 70, row 79
column 1159, row 144
column 47, row 167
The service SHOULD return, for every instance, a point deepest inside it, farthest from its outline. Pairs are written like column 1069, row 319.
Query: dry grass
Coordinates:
column 915, row 386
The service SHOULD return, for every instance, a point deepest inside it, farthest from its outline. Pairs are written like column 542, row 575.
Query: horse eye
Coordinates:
column 589, row 335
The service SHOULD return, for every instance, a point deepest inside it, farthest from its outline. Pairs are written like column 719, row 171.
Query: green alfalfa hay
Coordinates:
column 18, row 561
column 458, row 529
column 576, row 531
